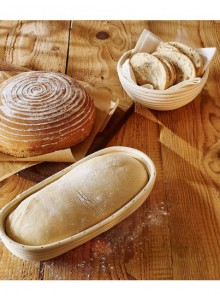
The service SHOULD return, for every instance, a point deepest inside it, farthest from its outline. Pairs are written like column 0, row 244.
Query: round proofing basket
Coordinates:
column 161, row 100
column 45, row 252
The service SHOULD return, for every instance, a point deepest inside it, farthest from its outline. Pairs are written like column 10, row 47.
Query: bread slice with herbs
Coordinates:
column 191, row 53
column 148, row 69
column 171, row 69
column 185, row 69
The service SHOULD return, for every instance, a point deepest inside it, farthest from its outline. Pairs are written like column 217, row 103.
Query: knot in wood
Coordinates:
column 102, row 35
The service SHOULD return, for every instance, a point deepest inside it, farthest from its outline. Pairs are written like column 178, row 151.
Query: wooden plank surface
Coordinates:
column 94, row 50
column 175, row 233
column 35, row 45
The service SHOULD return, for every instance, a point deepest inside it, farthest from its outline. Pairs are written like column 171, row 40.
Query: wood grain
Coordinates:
column 37, row 46
column 150, row 233
column 95, row 48
column 189, row 140
column 175, row 233
column 34, row 44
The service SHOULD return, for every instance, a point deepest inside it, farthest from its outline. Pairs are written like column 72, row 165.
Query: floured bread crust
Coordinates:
column 41, row 112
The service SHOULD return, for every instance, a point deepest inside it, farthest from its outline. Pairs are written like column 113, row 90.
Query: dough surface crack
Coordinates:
column 87, row 201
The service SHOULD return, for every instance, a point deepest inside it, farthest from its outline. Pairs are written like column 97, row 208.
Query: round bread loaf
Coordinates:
column 41, row 112
column 83, row 197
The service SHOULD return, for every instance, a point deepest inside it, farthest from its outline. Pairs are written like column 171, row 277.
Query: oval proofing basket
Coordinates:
column 45, row 252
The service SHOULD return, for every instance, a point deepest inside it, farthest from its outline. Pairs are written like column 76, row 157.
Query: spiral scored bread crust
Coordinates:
column 41, row 112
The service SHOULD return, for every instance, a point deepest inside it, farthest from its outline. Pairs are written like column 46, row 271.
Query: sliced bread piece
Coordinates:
column 166, row 46
column 185, row 69
column 148, row 69
column 191, row 53
column 170, row 67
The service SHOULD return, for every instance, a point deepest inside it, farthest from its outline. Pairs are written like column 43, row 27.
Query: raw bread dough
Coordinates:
column 86, row 195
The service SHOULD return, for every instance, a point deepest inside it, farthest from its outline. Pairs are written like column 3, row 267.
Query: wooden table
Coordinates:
column 175, row 234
